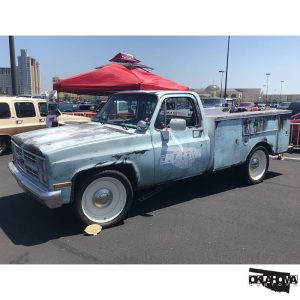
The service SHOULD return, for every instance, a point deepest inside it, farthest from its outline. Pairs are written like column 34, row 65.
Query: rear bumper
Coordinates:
column 51, row 199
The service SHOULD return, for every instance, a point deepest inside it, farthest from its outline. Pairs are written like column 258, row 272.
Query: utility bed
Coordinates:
column 233, row 134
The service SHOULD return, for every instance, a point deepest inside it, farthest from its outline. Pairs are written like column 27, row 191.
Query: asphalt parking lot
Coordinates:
column 210, row 219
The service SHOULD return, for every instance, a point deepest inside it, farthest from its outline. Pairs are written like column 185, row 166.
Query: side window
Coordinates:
column 43, row 109
column 4, row 111
column 25, row 109
column 179, row 108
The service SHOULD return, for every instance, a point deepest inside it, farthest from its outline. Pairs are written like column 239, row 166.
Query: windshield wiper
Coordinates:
column 124, row 126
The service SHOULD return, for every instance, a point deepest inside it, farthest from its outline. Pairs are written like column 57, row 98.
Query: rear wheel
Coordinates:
column 3, row 145
column 257, row 165
column 104, row 198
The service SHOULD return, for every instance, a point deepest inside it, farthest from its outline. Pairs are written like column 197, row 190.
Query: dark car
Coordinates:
column 214, row 102
column 294, row 107
column 86, row 107
column 67, row 107
column 283, row 105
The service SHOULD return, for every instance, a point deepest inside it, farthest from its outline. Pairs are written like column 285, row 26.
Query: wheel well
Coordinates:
column 126, row 169
column 265, row 145
column 5, row 137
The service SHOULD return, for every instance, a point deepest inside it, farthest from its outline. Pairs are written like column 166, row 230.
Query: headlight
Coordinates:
column 43, row 175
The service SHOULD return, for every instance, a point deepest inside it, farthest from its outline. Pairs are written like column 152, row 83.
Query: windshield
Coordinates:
column 210, row 102
column 245, row 104
column 127, row 110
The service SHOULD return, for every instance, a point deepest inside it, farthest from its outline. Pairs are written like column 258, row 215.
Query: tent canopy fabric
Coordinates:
column 123, row 57
column 115, row 77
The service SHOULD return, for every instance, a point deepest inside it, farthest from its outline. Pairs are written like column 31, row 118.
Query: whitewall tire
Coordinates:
column 257, row 165
column 104, row 198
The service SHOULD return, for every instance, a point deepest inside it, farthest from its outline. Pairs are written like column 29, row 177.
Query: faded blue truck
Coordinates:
column 157, row 137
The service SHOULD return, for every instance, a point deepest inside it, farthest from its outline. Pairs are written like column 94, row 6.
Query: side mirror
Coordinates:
column 141, row 125
column 177, row 124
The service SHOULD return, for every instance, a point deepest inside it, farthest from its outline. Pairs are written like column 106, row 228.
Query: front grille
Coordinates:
column 32, row 172
column 28, row 162
column 29, row 157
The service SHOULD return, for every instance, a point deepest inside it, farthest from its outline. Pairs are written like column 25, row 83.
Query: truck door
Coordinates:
column 26, row 117
column 183, row 153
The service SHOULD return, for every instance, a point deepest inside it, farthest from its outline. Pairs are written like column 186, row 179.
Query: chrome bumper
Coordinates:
column 51, row 199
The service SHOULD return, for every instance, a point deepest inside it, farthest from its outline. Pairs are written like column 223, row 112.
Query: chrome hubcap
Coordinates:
column 102, row 198
column 254, row 163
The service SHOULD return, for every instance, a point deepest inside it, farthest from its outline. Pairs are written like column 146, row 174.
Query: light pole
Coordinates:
column 221, row 82
column 267, row 74
column 13, row 65
column 263, row 92
column 228, row 43
column 281, row 82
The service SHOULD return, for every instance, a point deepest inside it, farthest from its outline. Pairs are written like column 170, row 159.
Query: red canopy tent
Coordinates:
column 116, row 77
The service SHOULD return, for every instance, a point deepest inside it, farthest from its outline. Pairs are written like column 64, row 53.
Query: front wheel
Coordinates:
column 257, row 165
column 104, row 198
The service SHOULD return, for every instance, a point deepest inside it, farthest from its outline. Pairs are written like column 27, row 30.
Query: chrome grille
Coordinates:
column 28, row 162
column 32, row 172
column 18, row 151
column 29, row 157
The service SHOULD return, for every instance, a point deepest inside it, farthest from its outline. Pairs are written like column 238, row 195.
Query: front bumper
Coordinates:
column 51, row 199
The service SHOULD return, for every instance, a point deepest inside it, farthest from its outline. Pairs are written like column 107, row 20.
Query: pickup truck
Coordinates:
column 162, row 137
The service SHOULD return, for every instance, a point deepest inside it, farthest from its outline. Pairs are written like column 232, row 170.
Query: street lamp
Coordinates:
column 267, row 74
column 221, row 82
column 281, row 82
column 13, row 65
column 263, row 92
column 228, row 44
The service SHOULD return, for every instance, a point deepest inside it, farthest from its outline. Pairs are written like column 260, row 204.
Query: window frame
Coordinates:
column 9, row 110
column 39, row 108
column 16, row 104
column 193, row 103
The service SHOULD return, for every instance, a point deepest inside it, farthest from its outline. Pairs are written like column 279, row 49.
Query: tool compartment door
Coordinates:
column 228, row 143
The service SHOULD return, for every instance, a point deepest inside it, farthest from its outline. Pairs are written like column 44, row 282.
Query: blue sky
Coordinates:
column 190, row 60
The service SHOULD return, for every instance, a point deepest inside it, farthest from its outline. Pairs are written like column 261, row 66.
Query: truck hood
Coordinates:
column 49, row 140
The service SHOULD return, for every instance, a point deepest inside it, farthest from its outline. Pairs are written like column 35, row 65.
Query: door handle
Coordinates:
column 19, row 121
column 197, row 133
column 42, row 120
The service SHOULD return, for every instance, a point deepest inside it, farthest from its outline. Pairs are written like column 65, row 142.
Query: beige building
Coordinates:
column 243, row 94
column 28, row 74
column 35, row 76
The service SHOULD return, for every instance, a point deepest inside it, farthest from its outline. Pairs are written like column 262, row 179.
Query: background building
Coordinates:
column 5, row 81
column 36, row 77
column 243, row 94
column 28, row 74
